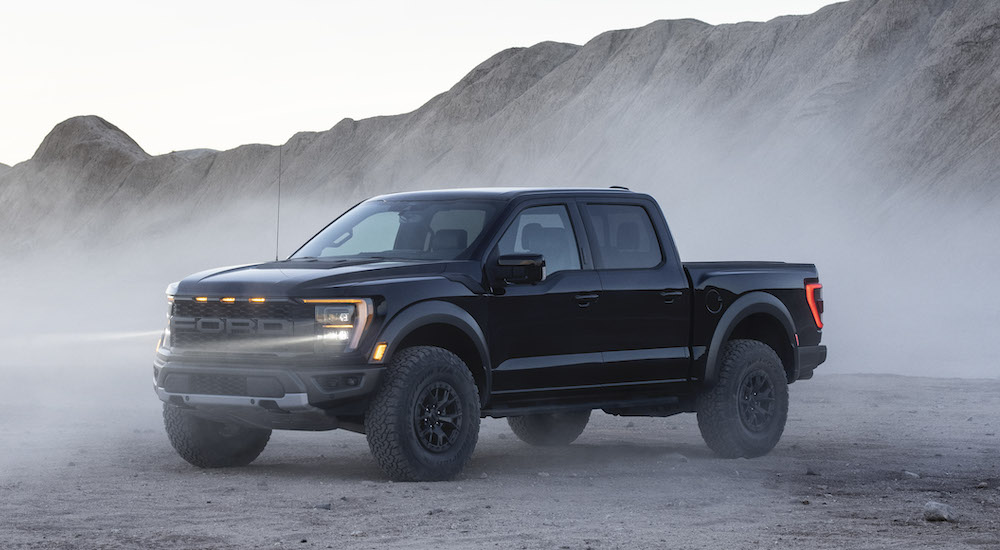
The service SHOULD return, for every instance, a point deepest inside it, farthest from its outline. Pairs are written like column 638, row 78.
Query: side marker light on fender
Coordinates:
column 379, row 352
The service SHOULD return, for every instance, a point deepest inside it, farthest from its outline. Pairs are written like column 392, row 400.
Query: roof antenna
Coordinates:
column 277, row 218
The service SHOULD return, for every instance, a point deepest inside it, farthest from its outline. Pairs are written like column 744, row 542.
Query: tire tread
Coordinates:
column 382, row 422
column 717, row 417
column 191, row 438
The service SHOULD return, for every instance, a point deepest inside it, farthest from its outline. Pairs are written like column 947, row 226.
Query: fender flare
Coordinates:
column 433, row 312
column 745, row 306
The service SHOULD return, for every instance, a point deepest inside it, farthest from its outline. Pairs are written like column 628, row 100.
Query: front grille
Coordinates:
column 218, row 384
column 223, row 384
column 242, row 327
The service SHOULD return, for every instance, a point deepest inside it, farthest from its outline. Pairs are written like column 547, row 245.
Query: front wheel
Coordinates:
column 423, row 423
column 744, row 414
column 208, row 444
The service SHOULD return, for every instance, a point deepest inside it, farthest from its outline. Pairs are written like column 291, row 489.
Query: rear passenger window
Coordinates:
column 624, row 237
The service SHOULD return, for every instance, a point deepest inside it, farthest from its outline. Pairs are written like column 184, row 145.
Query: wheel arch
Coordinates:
column 755, row 316
column 445, row 325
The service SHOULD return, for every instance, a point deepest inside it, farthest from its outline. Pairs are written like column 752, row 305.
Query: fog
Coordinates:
column 906, row 276
column 862, row 139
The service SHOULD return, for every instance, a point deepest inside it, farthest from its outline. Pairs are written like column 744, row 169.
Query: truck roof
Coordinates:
column 501, row 193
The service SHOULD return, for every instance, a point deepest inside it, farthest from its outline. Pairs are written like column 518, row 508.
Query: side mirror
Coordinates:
column 520, row 269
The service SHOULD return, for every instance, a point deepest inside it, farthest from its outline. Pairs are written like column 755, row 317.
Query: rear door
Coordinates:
column 645, row 304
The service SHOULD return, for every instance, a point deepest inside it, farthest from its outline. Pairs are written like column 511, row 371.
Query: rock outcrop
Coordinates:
column 873, row 96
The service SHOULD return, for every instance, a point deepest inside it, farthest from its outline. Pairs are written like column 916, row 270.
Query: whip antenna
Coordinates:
column 277, row 217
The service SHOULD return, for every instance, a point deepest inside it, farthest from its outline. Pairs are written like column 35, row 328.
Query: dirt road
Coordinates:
column 85, row 464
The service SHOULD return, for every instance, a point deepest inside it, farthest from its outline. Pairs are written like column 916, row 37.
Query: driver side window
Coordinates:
column 544, row 230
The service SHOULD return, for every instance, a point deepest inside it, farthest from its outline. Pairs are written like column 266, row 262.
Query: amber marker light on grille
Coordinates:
column 200, row 299
column 379, row 352
column 228, row 300
column 257, row 300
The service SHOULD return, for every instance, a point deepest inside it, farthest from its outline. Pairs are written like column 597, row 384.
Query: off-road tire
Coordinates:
column 549, row 430
column 400, row 429
column 208, row 444
column 734, row 419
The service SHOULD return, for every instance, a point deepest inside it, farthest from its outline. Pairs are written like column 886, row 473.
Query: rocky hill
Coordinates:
column 875, row 97
column 864, row 138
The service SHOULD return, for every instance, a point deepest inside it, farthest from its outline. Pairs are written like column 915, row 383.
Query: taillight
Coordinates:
column 814, row 296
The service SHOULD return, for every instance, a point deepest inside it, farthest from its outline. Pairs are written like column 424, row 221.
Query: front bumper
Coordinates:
column 272, row 396
column 810, row 357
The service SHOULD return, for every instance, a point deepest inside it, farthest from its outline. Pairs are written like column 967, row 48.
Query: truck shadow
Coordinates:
column 513, row 458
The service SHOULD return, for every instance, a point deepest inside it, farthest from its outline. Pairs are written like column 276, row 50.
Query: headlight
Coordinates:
column 171, row 291
column 341, row 321
column 165, row 339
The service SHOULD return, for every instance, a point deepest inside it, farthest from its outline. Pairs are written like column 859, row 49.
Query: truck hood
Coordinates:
column 299, row 278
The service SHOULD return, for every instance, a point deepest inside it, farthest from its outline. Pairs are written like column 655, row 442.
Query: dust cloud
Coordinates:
column 746, row 162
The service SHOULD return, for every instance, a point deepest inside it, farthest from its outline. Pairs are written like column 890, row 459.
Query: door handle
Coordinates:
column 669, row 296
column 584, row 300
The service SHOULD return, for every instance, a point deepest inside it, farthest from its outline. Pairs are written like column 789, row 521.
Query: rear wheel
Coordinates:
column 423, row 423
column 744, row 414
column 209, row 444
column 549, row 430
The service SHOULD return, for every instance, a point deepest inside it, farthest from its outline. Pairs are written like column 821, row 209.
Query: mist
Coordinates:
column 863, row 138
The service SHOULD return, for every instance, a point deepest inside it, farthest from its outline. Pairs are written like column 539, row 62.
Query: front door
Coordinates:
column 542, row 336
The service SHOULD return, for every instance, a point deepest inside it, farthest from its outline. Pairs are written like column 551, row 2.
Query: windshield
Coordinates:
column 403, row 229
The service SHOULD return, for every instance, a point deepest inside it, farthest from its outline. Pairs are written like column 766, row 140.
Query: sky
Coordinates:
column 218, row 74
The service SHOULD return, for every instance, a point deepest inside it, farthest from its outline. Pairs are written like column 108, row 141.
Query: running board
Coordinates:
column 655, row 406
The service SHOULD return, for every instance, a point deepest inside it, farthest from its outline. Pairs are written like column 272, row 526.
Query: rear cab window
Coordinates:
column 622, row 236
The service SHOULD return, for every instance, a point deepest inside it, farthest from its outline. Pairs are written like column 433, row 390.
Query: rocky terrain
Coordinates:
column 86, row 464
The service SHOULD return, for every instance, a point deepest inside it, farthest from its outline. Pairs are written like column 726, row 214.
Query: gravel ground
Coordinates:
column 85, row 464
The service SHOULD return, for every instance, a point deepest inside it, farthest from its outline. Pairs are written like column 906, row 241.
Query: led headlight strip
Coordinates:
column 338, row 324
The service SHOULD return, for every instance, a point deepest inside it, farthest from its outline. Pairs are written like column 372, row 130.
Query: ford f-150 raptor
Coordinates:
column 414, row 315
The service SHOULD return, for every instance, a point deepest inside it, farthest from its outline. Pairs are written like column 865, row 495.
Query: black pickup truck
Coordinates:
column 414, row 315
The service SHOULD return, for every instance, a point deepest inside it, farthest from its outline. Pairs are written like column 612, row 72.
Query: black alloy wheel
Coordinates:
column 756, row 401
column 438, row 417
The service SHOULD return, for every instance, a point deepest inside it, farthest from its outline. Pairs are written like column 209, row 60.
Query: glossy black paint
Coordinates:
column 588, row 338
